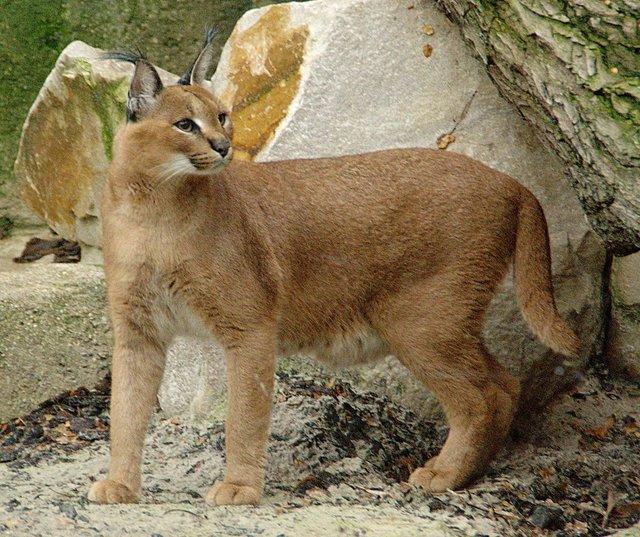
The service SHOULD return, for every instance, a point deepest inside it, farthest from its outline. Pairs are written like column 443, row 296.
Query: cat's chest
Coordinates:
column 174, row 314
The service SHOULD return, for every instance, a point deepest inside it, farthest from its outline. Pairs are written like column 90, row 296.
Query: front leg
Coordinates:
column 250, row 378
column 138, row 365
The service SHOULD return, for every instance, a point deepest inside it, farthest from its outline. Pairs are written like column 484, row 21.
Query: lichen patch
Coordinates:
column 68, row 144
column 264, row 76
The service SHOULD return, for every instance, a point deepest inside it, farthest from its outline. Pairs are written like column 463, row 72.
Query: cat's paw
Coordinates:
column 223, row 493
column 108, row 491
column 433, row 479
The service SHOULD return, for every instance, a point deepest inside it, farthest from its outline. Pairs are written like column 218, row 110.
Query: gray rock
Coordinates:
column 571, row 71
column 195, row 379
column 547, row 517
column 68, row 510
column 623, row 349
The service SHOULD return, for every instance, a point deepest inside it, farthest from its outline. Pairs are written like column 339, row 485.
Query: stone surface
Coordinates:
column 623, row 348
column 54, row 333
column 66, row 140
column 195, row 379
column 572, row 69
column 364, row 83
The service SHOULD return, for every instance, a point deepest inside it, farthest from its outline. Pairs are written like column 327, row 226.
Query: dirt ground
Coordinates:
column 338, row 460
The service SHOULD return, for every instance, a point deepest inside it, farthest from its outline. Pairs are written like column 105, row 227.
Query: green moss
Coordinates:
column 6, row 226
column 31, row 37
column 108, row 101
column 630, row 313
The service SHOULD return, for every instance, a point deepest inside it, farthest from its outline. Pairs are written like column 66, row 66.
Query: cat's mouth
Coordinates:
column 206, row 163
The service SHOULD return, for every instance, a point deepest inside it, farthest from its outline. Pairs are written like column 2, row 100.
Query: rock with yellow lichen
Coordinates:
column 66, row 140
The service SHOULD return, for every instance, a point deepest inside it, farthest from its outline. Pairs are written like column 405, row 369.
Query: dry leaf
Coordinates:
column 611, row 503
column 427, row 50
column 316, row 493
column 546, row 472
column 370, row 421
column 577, row 527
column 602, row 430
column 625, row 510
column 630, row 425
column 445, row 140
column 428, row 29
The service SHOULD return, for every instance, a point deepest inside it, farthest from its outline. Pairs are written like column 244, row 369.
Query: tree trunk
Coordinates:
column 572, row 67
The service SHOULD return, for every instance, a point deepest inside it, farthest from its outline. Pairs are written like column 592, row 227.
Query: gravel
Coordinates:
column 337, row 464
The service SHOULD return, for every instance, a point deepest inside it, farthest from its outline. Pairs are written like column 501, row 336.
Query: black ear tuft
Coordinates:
column 198, row 69
column 145, row 84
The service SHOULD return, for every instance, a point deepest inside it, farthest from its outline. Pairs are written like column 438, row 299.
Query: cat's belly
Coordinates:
column 358, row 344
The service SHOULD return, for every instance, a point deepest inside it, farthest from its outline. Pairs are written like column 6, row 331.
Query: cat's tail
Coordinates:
column 534, row 288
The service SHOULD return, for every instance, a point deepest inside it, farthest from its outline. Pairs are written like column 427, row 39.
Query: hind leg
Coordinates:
column 479, row 407
column 439, row 343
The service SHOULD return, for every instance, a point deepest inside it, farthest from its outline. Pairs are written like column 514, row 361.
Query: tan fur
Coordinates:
column 350, row 258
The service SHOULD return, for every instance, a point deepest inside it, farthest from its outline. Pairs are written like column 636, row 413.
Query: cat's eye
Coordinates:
column 186, row 125
column 222, row 118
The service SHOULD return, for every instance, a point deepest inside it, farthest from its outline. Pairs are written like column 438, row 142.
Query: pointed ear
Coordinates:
column 200, row 67
column 145, row 86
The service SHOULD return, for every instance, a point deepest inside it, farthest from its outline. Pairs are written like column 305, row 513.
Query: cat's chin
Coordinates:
column 215, row 168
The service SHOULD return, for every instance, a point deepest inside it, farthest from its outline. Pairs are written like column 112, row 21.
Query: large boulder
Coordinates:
column 66, row 140
column 54, row 333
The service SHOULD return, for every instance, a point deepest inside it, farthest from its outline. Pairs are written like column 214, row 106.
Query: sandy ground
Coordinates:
column 337, row 462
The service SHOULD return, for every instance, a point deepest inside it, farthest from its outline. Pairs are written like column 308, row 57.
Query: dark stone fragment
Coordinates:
column 68, row 510
column 11, row 505
column 90, row 436
column 435, row 504
column 79, row 425
column 34, row 434
column 549, row 518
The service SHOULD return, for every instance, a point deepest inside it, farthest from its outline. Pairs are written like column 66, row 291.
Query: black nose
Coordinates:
column 221, row 146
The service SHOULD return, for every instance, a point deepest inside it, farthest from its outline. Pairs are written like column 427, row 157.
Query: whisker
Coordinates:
column 169, row 170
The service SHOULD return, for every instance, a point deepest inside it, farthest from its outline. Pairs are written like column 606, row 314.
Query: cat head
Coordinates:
column 189, row 131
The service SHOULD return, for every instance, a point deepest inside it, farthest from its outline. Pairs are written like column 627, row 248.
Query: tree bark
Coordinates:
column 572, row 68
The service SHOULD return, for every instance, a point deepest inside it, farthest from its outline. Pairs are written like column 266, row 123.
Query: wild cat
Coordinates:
column 348, row 258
